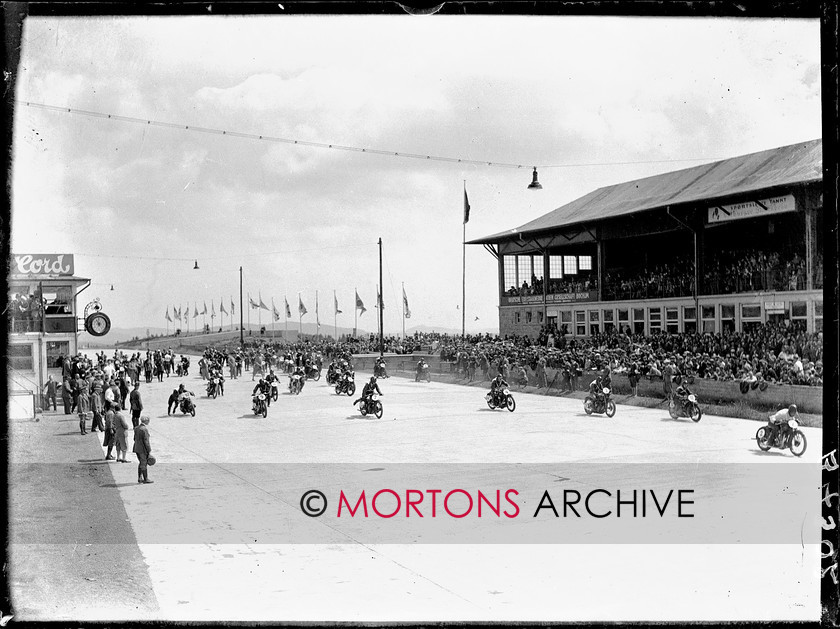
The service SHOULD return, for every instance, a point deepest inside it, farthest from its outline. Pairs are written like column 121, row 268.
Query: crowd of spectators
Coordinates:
column 675, row 279
column 751, row 270
column 775, row 353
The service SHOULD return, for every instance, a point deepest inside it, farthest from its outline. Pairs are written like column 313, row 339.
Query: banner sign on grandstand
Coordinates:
column 559, row 298
column 750, row 209
column 42, row 264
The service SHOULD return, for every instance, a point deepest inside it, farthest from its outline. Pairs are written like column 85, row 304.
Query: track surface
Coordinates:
column 223, row 478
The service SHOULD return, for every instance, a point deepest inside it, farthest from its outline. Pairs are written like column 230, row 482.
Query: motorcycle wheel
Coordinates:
column 317, row 376
column 377, row 410
column 672, row 411
column 587, row 406
column 761, row 439
column 192, row 412
column 363, row 409
column 215, row 393
column 338, row 390
column 695, row 413
column 265, row 412
column 798, row 443
column 275, row 395
column 351, row 389
column 610, row 412
column 510, row 403
column 490, row 404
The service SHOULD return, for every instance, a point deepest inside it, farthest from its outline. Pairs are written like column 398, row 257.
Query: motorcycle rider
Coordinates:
column 380, row 367
column 182, row 393
column 270, row 378
column 369, row 389
column 497, row 385
column 596, row 390
column 299, row 371
column 264, row 388
column 779, row 422
column 681, row 391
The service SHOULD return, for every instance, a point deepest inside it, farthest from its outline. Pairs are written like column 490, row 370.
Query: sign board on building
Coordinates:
column 42, row 264
column 511, row 300
column 565, row 298
column 774, row 306
column 750, row 209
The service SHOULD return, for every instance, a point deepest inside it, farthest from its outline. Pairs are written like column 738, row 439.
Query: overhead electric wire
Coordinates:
column 340, row 147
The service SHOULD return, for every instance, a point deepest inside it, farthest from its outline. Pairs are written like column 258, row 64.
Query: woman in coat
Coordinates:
column 121, row 428
column 143, row 448
column 110, row 438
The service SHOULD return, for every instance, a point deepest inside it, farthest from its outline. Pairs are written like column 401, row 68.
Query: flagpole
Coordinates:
column 272, row 319
column 464, row 273
column 249, row 313
column 381, row 321
column 286, row 317
column 167, row 321
column 335, row 316
column 317, row 317
column 259, row 313
column 403, row 320
column 300, row 320
column 355, row 312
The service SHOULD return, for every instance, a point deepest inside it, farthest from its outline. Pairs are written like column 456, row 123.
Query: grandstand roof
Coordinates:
column 786, row 165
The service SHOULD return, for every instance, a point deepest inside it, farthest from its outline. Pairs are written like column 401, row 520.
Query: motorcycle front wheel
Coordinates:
column 351, row 389
column 338, row 390
column 761, row 439
column 672, row 411
column 377, row 410
column 798, row 443
column 610, row 408
column 587, row 406
column 695, row 413
column 275, row 395
column 490, row 404
column 510, row 403
column 317, row 376
column 265, row 411
column 192, row 412
column 363, row 409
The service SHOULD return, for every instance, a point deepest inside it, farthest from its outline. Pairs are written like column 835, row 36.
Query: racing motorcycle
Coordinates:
column 599, row 403
column 296, row 383
column 213, row 387
column 275, row 390
column 685, row 407
column 786, row 437
column 501, row 399
column 423, row 373
column 379, row 370
column 260, row 405
column 371, row 405
column 186, row 405
column 313, row 373
column 346, row 384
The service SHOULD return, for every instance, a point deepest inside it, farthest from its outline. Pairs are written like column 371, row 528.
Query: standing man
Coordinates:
column 50, row 391
column 143, row 448
column 136, row 404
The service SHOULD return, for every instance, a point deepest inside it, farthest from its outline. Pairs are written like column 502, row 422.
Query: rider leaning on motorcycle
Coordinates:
column 779, row 421
column 369, row 389
column 681, row 391
column 262, row 387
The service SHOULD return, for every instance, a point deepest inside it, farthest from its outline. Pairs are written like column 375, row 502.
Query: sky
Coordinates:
column 578, row 97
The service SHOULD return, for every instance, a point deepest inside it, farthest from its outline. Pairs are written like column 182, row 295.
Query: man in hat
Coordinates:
column 136, row 404
column 143, row 448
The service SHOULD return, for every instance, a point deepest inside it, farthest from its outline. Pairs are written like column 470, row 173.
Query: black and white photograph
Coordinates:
column 383, row 313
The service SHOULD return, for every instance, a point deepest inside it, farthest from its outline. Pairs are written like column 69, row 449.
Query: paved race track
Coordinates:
column 224, row 537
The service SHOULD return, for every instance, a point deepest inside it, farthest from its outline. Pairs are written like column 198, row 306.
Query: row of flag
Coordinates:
column 180, row 315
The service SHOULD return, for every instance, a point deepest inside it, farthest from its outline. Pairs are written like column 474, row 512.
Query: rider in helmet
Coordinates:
column 262, row 387
column 271, row 377
column 779, row 422
column 369, row 389
column 497, row 385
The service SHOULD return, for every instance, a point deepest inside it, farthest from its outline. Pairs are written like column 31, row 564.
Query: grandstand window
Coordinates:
column 565, row 316
column 638, row 320
column 655, row 314
column 585, row 263
column 517, row 317
column 623, row 315
column 750, row 311
column 594, row 328
column 525, row 270
column 672, row 320
column 580, row 322
column 690, row 327
column 799, row 309
column 638, row 314
column 708, row 312
column 540, row 316
column 569, row 265
column 608, row 315
column 689, row 313
column 528, row 316
column 510, row 273
column 672, row 314
column 727, row 318
column 555, row 267
column 593, row 316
